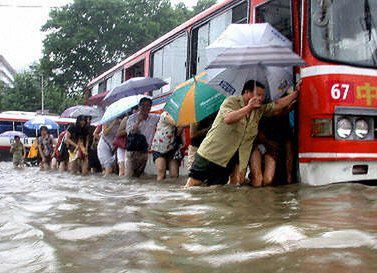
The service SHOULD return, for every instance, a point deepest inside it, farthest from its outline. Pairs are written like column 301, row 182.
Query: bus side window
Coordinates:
column 240, row 14
column 136, row 70
column 29, row 132
column 114, row 80
column 278, row 14
column 169, row 63
column 102, row 86
column 205, row 34
column 6, row 126
column 18, row 126
column 94, row 90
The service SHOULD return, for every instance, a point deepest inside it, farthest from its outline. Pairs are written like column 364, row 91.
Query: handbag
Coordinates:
column 120, row 142
column 136, row 143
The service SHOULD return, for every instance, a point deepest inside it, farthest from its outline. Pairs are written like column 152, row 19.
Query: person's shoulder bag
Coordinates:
column 136, row 142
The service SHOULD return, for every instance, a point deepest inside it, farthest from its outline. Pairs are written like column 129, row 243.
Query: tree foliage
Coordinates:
column 26, row 93
column 202, row 5
column 87, row 37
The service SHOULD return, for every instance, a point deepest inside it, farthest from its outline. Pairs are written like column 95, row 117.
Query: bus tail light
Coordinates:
column 322, row 127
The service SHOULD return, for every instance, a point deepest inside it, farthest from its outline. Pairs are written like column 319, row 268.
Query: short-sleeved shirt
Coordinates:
column 147, row 127
column 224, row 140
column 164, row 137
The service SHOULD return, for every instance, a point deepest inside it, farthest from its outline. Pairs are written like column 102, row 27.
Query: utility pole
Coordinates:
column 43, row 95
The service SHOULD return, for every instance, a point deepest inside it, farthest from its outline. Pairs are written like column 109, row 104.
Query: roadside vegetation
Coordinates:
column 83, row 40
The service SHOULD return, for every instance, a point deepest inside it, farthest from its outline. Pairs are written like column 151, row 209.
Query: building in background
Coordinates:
column 7, row 72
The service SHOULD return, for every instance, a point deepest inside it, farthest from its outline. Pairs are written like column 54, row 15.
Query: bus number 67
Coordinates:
column 339, row 91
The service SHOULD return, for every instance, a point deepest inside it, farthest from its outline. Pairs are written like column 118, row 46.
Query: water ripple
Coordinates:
column 54, row 222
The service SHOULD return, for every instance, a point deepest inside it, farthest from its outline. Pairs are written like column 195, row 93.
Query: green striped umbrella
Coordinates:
column 193, row 101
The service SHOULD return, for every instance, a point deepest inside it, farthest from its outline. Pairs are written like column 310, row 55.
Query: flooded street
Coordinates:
column 53, row 222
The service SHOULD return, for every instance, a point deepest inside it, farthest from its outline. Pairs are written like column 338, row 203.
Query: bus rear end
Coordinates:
column 338, row 99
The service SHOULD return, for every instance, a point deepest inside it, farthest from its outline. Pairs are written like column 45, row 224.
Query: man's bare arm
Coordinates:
column 237, row 115
column 284, row 103
column 68, row 139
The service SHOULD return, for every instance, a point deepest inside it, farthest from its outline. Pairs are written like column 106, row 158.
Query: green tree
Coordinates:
column 203, row 5
column 88, row 37
column 2, row 94
column 85, row 39
column 26, row 93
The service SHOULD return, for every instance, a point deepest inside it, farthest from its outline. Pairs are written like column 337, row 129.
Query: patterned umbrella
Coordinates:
column 193, row 101
column 133, row 86
column 38, row 122
column 12, row 134
column 277, row 80
column 81, row 110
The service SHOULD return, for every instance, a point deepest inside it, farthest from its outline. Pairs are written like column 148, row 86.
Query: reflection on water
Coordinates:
column 53, row 222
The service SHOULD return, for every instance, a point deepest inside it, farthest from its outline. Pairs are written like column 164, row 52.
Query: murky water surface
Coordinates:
column 52, row 222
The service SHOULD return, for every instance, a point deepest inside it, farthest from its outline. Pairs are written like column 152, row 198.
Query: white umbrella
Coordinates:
column 120, row 107
column 133, row 86
column 244, row 45
column 277, row 80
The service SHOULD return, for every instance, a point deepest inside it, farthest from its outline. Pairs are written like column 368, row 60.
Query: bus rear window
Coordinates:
column 345, row 31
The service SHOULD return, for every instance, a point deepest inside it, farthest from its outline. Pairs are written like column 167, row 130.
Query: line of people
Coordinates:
column 222, row 147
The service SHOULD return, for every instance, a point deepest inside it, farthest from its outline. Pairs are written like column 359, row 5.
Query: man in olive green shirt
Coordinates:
column 230, row 139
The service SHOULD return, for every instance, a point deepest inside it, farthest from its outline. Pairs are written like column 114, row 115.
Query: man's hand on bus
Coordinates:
column 298, row 86
column 283, row 104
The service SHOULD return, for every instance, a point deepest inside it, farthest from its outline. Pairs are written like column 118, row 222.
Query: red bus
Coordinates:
column 336, row 117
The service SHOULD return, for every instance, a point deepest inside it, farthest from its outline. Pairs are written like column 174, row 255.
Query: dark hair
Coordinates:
column 145, row 99
column 16, row 137
column 79, row 119
column 250, row 85
column 43, row 128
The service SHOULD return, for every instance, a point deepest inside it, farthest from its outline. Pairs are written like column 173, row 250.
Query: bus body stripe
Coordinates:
column 338, row 155
column 336, row 69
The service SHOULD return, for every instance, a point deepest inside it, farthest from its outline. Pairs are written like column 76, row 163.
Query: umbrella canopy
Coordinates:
column 12, row 134
column 134, row 86
column 36, row 123
column 193, row 101
column 81, row 110
column 97, row 99
column 120, row 107
column 244, row 45
column 277, row 80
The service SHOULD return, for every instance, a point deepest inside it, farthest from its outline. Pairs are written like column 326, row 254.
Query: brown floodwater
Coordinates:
column 54, row 222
